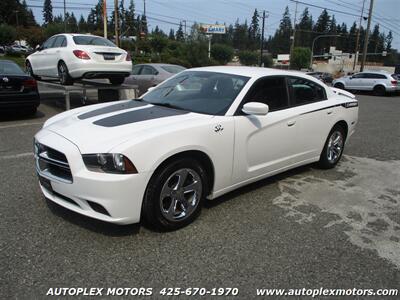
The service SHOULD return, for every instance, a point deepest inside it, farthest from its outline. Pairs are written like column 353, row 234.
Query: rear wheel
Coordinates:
column 117, row 80
column 339, row 85
column 63, row 74
column 175, row 194
column 379, row 90
column 333, row 148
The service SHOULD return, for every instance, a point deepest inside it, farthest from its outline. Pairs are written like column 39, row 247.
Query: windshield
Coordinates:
column 10, row 68
column 173, row 69
column 92, row 40
column 197, row 91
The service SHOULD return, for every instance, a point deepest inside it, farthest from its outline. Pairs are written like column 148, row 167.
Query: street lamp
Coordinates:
column 312, row 47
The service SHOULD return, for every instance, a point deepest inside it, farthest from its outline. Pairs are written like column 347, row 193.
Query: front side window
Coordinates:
column 147, row 70
column 271, row 91
column 136, row 70
column 59, row 41
column 359, row 75
column 305, row 91
column 49, row 43
column 91, row 40
column 198, row 91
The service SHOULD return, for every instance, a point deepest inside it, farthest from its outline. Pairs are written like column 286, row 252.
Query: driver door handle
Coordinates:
column 291, row 123
column 329, row 111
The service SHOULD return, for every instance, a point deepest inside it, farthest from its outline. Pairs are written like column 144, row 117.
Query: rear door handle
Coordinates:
column 329, row 112
column 291, row 123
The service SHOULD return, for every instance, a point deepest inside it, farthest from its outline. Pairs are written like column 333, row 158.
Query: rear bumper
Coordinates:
column 113, row 198
column 93, row 75
column 14, row 101
column 79, row 69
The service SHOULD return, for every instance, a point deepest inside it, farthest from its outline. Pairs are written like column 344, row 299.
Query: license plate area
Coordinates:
column 109, row 57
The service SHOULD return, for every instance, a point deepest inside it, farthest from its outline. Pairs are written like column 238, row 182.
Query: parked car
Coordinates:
column 149, row 75
column 200, row 134
column 18, row 49
column 379, row 82
column 18, row 91
column 323, row 76
column 75, row 56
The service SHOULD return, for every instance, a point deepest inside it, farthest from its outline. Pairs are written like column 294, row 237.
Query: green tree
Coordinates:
column 180, row 36
column 254, row 30
column 248, row 58
column 222, row 53
column 305, row 26
column 82, row 25
column 389, row 39
column 8, row 34
column 300, row 58
column 158, row 43
column 240, row 37
column 280, row 43
column 47, row 12
column 130, row 19
column 34, row 36
column 171, row 34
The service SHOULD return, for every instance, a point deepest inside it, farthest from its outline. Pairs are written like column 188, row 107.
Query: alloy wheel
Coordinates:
column 335, row 146
column 180, row 194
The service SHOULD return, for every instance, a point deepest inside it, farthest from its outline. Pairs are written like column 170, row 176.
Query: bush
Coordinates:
column 8, row 34
column 53, row 29
column 300, row 58
column 222, row 53
column 248, row 58
column 33, row 35
column 267, row 61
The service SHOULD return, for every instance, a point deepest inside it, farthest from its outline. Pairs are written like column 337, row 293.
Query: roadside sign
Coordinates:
column 384, row 53
column 213, row 28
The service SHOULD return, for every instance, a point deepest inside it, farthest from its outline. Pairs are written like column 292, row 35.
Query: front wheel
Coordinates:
column 339, row 86
column 175, row 194
column 333, row 148
column 29, row 70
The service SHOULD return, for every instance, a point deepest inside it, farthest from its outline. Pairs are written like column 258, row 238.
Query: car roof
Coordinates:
column 251, row 71
column 376, row 72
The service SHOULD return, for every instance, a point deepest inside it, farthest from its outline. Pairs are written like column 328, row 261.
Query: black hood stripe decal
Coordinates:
column 111, row 108
column 145, row 114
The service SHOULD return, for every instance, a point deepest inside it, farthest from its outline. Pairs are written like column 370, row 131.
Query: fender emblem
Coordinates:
column 218, row 128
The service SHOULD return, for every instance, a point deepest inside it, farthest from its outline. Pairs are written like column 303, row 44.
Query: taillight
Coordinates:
column 128, row 57
column 394, row 82
column 81, row 54
column 30, row 83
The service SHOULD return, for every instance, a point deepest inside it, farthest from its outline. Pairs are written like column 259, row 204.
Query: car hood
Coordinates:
column 103, row 127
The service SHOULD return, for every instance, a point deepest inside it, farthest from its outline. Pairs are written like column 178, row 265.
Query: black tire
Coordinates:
column 117, row 80
column 155, row 205
column 63, row 74
column 29, row 70
column 379, row 90
column 339, row 85
column 326, row 160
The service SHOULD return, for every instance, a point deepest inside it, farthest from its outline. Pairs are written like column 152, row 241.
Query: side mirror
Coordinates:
column 38, row 48
column 255, row 108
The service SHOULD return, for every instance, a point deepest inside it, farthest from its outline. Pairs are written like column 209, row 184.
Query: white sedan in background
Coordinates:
column 196, row 136
column 76, row 56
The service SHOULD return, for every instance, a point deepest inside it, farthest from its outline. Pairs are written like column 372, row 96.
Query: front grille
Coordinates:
column 52, row 164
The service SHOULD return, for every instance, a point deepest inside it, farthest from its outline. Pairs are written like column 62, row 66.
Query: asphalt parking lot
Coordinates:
column 307, row 228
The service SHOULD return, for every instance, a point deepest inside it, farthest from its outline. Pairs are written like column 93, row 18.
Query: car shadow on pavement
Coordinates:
column 258, row 184
column 94, row 225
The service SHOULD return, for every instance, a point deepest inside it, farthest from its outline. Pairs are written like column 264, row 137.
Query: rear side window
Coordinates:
column 147, row 70
column 49, row 43
column 92, row 40
column 271, row 91
column 59, row 42
column 305, row 91
column 375, row 76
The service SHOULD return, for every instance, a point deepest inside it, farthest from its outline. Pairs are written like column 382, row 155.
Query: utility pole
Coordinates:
column 364, row 57
column 262, row 37
column 294, row 34
column 184, row 21
column 65, row 19
column 16, row 17
column 358, row 37
column 116, row 22
column 105, row 21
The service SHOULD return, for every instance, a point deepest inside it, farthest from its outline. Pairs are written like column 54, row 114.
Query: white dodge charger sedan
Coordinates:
column 76, row 56
column 196, row 136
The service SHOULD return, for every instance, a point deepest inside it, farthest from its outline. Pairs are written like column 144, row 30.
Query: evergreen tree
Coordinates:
column 72, row 23
column 82, row 25
column 171, row 34
column 130, row 19
column 305, row 26
column 322, row 27
column 388, row 41
column 47, row 12
column 122, row 17
column 254, row 30
column 240, row 35
column 180, row 36
column 280, row 43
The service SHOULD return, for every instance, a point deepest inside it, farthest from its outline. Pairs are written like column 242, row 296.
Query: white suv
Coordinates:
column 75, row 56
column 379, row 82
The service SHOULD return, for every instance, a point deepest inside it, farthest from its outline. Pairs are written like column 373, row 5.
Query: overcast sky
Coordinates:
column 386, row 12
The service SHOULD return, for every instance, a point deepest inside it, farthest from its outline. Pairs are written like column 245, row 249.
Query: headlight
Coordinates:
column 109, row 163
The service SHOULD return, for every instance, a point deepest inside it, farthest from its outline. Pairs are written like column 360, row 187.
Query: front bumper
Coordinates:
column 111, row 198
